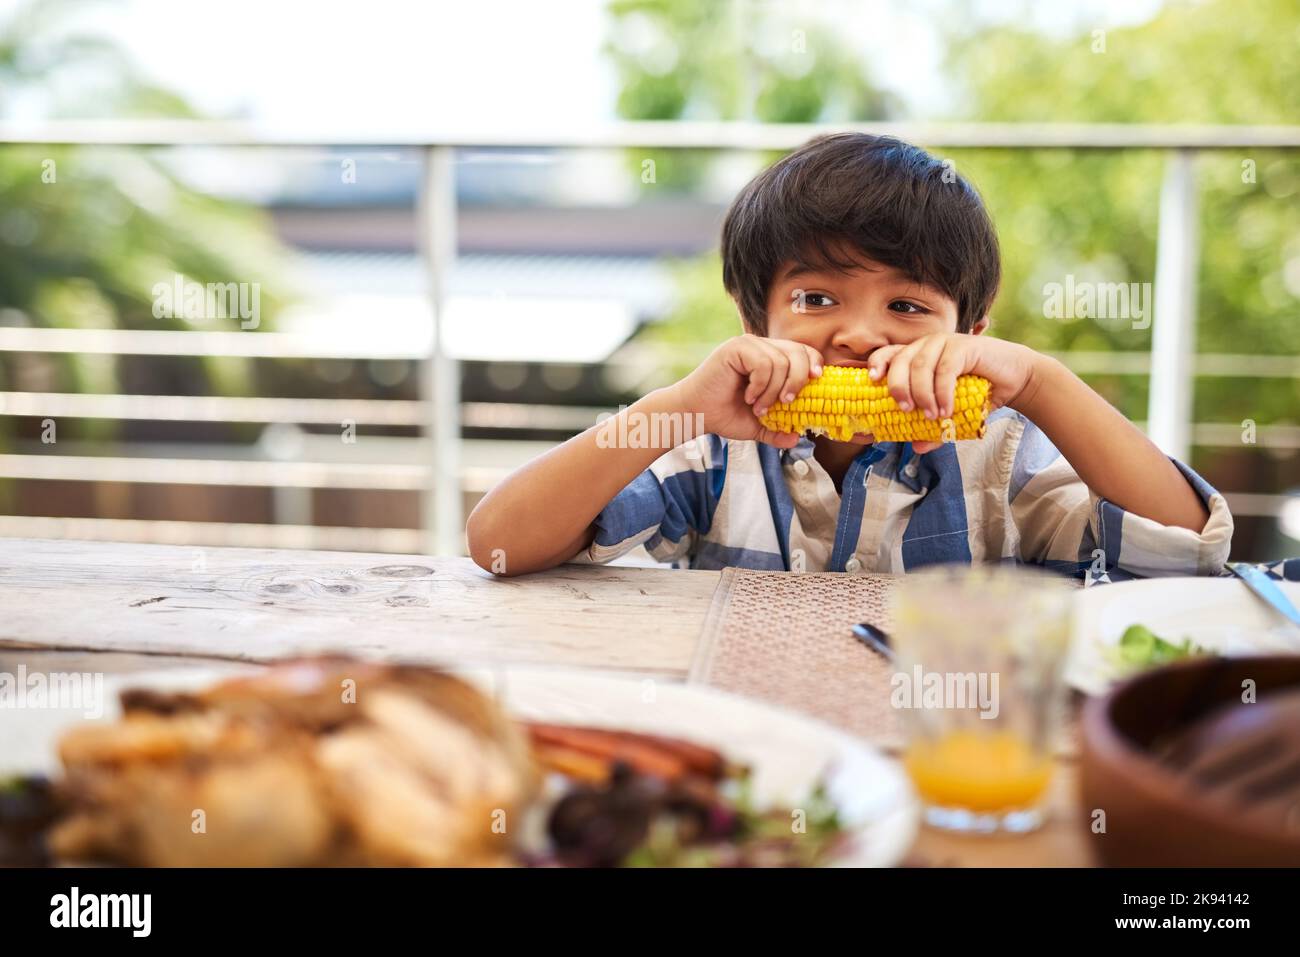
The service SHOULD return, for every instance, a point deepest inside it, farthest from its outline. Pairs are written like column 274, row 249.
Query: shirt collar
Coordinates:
column 804, row 448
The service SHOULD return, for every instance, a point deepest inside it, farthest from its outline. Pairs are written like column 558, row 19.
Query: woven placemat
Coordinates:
column 787, row 639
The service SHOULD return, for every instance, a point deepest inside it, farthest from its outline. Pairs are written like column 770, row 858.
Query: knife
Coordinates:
column 1265, row 588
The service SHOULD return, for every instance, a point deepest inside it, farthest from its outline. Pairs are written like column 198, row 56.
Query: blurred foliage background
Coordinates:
column 85, row 247
column 85, row 234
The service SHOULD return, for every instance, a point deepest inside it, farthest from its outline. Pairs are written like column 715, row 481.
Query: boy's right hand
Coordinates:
column 742, row 379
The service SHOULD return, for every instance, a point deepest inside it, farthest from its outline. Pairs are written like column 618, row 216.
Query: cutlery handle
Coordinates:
column 875, row 639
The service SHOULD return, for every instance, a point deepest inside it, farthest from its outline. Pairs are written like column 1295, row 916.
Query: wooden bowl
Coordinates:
column 1187, row 774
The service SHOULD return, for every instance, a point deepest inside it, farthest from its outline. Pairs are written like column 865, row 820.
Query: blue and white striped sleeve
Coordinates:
column 1064, row 524
column 667, row 507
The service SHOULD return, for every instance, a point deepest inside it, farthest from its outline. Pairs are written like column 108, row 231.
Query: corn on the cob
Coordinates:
column 844, row 401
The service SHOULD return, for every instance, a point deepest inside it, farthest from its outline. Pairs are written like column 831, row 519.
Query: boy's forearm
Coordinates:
column 1110, row 454
column 541, row 514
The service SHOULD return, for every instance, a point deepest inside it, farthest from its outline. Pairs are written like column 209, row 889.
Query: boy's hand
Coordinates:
column 741, row 379
column 923, row 373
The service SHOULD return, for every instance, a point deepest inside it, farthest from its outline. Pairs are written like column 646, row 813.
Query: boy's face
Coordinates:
column 847, row 315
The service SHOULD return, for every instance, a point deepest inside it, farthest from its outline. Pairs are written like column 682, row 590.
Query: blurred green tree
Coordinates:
column 682, row 59
column 1095, row 215
column 86, row 233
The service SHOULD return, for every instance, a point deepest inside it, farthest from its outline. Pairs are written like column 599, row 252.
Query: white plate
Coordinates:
column 787, row 753
column 1220, row 614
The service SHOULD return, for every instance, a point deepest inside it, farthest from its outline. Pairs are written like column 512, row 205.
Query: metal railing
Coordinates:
column 1171, row 364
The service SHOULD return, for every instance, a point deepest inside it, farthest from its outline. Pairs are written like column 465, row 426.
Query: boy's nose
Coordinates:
column 858, row 338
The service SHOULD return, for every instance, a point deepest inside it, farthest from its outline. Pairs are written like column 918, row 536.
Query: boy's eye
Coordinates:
column 907, row 308
column 814, row 300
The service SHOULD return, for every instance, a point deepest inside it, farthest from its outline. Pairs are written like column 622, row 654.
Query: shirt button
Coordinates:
column 800, row 468
column 911, row 469
column 853, row 565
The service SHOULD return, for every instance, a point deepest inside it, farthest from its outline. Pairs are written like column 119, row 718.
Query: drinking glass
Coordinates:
column 980, row 655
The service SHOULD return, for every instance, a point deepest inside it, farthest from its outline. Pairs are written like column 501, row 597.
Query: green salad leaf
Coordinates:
column 1139, row 647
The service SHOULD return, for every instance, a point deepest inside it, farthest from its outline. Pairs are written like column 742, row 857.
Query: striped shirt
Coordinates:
column 714, row 502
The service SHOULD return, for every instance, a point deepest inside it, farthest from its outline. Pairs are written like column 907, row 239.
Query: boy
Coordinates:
column 855, row 251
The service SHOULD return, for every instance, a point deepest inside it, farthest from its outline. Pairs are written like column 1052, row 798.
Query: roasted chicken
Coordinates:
column 313, row 762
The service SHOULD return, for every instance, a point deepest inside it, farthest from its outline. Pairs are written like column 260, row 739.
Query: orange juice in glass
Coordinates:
column 980, row 655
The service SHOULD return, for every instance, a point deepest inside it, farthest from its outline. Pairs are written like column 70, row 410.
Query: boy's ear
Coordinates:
column 980, row 326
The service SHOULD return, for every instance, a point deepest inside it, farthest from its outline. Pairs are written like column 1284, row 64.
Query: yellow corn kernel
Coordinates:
column 845, row 401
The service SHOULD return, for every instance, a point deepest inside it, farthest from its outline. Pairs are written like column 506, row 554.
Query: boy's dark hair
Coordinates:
column 885, row 198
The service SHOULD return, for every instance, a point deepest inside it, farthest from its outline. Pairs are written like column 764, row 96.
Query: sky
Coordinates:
column 388, row 65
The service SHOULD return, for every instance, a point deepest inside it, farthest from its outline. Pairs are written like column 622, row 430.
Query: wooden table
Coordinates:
column 115, row 608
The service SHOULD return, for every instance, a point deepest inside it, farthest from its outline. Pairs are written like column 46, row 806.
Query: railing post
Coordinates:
column 440, row 378
column 1173, row 338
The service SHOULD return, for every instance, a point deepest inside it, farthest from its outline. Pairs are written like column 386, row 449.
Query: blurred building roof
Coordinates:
column 561, row 257
column 667, row 227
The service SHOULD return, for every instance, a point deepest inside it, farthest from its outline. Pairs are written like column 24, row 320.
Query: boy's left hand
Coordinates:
column 922, row 374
